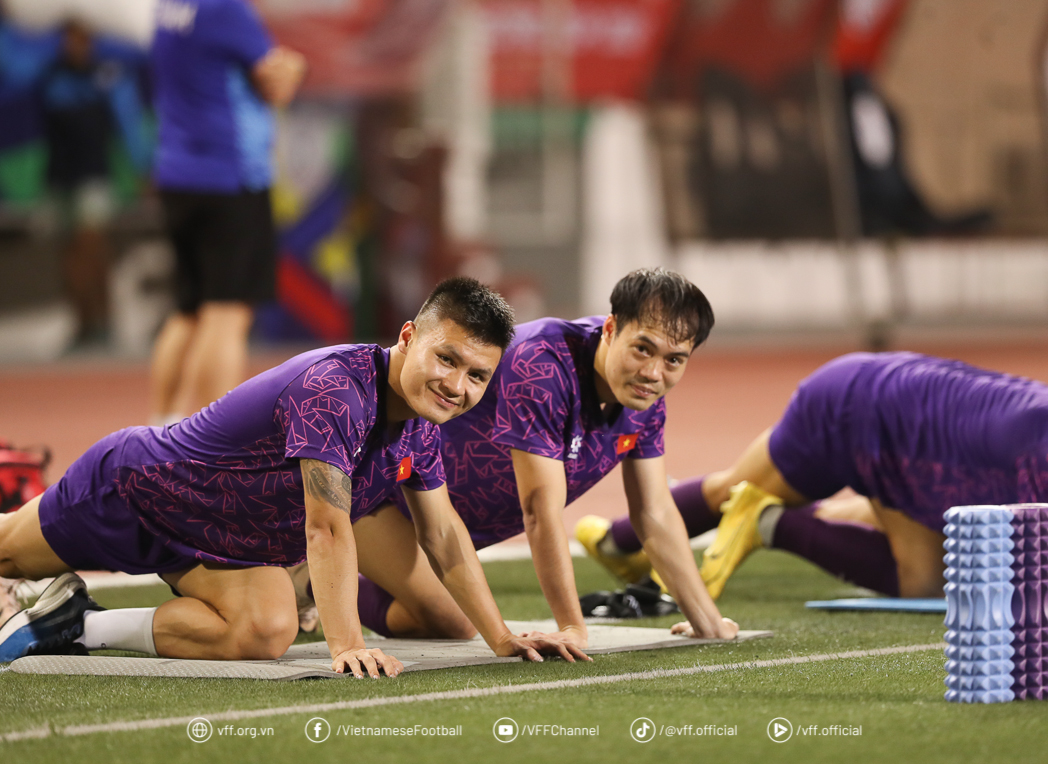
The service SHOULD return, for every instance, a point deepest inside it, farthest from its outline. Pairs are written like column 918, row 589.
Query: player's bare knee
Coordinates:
column 265, row 636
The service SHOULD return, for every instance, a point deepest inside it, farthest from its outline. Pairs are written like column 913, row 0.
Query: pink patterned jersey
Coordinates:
column 225, row 484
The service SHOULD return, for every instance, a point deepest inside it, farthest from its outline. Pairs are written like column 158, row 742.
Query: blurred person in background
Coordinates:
column 217, row 75
column 89, row 95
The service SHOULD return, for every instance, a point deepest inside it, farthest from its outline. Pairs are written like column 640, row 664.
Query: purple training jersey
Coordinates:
column 225, row 485
column 541, row 400
column 919, row 434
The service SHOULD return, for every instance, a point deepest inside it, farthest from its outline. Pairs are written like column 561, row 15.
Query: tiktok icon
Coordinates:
column 643, row 730
column 317, row 730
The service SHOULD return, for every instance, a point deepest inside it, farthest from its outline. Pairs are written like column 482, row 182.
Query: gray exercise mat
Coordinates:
column 312, row 660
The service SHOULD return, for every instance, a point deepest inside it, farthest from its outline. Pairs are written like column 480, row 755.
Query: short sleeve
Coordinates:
column 427, row 467
column 651, row 439
column 327, row 413
column 235, row 28
column 534, row 402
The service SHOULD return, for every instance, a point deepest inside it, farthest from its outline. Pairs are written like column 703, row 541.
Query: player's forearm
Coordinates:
column 332, row 553
column 454, row 560
column 333, row 574
column 665, row 540
column 552, row 560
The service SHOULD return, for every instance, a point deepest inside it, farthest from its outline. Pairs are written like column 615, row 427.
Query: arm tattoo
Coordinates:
column 327, row 484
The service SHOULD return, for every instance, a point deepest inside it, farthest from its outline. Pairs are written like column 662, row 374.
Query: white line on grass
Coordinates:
column 479, row 692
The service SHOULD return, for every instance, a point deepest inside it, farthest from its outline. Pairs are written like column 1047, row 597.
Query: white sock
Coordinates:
column 120, row 629
column 767, row 521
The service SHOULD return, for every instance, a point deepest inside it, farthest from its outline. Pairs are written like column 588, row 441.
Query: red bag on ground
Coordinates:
column 21, row 475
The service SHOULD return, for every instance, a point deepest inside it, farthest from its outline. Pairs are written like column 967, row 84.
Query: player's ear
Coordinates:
column 407, row 333
column 608, row 331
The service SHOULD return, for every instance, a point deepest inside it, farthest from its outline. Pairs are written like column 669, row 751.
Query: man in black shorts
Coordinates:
column 216, row 74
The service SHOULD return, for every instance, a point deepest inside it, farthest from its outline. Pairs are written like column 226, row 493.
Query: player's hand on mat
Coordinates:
column 570, row 635
column 366, row 659
column 727, row 629
column 533, row 646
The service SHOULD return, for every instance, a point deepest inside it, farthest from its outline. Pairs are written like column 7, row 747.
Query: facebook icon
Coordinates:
column 317, row 730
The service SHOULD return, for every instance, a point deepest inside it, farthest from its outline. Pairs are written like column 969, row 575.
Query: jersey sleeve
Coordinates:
column 651, row 439
column 427, row 468
column 235, row 28
column 534, row 402
column 328, row 414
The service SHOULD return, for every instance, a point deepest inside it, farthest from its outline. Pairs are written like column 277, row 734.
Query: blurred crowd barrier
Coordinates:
column 807, row 162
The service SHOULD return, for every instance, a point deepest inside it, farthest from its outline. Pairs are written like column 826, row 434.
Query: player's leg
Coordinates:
column 237, row 264
column 615, row 545
column 171, row 348
column 418, row 604
column 216, row 359
column 917, row 551
column 167, row 365
column 23, row 547
column 227, row 613
column 24, row 553
column 756, row 467
column 54, row 622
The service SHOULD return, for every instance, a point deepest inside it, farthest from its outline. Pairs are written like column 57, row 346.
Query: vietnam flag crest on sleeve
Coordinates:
column 625, row 443
column 405, row 469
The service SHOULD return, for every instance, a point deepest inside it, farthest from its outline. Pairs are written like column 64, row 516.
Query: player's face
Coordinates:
column 445, row 370
column 643, row 362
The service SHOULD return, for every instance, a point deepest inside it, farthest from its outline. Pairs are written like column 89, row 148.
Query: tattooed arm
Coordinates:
column 332, row 555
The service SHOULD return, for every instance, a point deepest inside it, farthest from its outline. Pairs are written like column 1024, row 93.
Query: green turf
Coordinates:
column 897, row 699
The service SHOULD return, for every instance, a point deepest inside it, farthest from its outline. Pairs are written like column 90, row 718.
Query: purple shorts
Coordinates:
column 811, row 444
column 918, row 434
column 88, row 525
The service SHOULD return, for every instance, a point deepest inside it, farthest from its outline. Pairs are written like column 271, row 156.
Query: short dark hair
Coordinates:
column 667, row 298
column 478, row 309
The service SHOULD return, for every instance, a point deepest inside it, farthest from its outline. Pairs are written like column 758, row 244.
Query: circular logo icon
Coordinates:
column 317, row 730
column 505, row 730
column 199, row 730
column 642, row 730
column 780, row 730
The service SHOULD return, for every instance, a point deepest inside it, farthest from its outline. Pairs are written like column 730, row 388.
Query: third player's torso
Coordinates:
column 930, row 433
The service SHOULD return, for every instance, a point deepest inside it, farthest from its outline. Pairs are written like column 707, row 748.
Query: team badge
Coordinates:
column 625, row 443
column 405, row 469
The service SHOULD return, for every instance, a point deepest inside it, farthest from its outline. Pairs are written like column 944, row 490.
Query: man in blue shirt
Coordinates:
column 217, row 75
column 89, row 94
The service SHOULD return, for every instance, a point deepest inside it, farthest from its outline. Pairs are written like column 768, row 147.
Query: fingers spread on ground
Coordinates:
column 371, row 665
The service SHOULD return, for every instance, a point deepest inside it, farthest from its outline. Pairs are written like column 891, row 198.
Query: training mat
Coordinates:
column 881, row 604
column 312, row 660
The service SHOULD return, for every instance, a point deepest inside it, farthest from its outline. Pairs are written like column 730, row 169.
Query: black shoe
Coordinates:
column 52, row 625
column 610, row 605
column 650, row 598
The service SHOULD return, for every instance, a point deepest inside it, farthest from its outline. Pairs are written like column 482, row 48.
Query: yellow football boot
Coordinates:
column 657, row 580
column 630, row 568
column 737, row 535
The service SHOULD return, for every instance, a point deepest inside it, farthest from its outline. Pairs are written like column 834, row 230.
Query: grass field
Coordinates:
column 896, row 699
